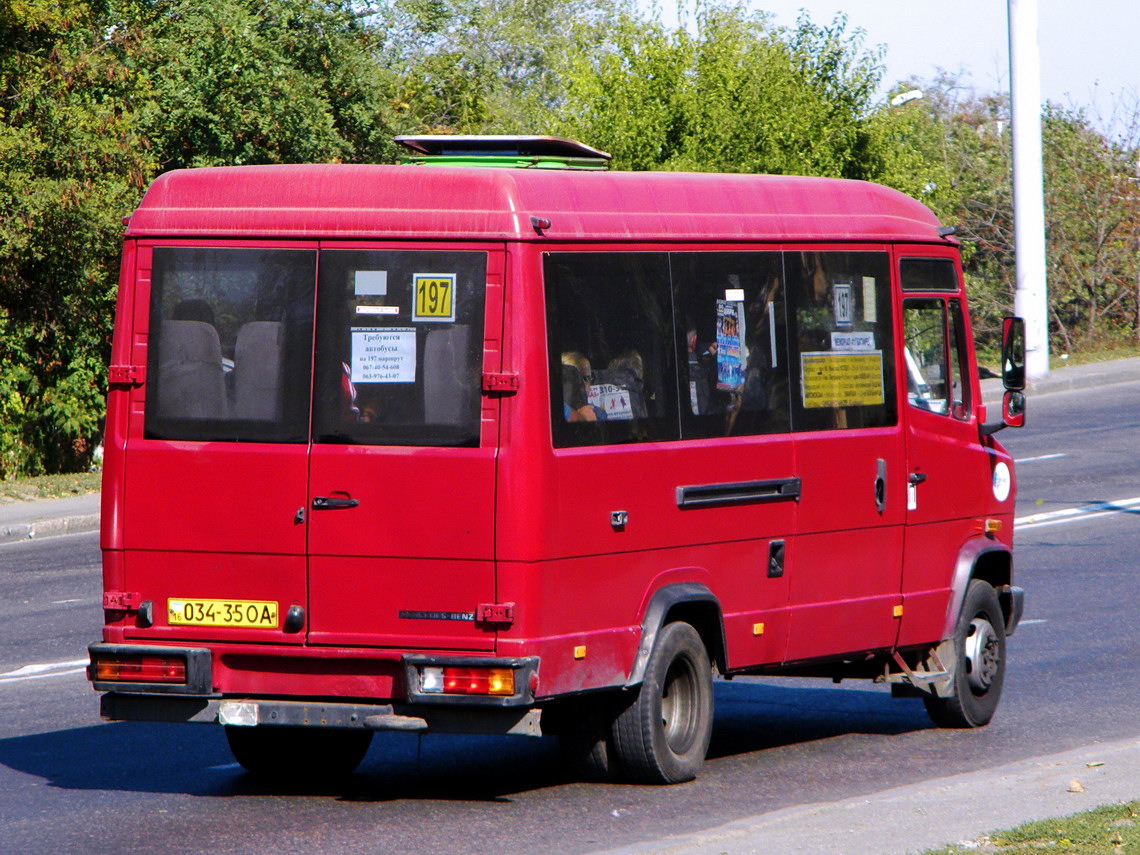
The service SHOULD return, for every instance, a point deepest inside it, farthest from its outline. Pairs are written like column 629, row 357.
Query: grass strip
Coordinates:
column 1110, row 830
column 48, row 487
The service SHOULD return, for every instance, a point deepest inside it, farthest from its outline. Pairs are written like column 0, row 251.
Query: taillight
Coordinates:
column 449, row 680
column 138, row 668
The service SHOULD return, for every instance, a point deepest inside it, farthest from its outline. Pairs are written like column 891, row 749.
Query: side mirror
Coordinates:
column 1013, row 353
column 1012, row 377
column 1013, row 409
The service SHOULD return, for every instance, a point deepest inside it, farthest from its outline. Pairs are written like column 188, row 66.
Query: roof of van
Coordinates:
column 373, row 201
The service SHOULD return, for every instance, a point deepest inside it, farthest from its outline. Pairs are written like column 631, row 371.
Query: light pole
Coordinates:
column 1031, row 297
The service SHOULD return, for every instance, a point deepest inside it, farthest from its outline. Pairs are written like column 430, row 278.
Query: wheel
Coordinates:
column 289, row 752
column 979, row 662
column 663, row 735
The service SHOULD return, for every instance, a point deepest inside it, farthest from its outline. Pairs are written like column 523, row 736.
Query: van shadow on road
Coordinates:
column 194, row 760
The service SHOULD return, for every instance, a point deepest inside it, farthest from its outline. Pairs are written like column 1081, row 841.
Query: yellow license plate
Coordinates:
column 255, row 613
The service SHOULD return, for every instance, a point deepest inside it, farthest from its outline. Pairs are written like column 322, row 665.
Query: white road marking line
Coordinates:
column 1041, row 457
column 1068, row 515
column 66, row 602
column 1032, row 622
column 39, row 672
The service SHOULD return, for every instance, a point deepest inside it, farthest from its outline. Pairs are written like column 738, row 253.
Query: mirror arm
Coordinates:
column 989, row 429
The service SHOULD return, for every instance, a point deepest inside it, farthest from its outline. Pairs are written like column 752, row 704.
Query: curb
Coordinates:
column 48, row 527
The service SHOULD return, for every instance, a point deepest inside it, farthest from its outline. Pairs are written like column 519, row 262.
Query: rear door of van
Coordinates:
column 216, row 472
column 400, row 510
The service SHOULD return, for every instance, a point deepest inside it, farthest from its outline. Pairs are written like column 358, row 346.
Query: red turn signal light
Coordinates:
column 449, row 680
column 138, row 668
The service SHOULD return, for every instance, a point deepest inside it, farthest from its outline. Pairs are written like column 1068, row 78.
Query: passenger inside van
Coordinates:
column 575, row 405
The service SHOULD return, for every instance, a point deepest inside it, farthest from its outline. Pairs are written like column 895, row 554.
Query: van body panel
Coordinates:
column 845, row 580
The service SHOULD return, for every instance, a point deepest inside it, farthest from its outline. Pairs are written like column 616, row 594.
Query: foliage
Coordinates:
column 483, row 66
column 98, row 96
column 736, row 95
column 952, row 150
column 71, row 163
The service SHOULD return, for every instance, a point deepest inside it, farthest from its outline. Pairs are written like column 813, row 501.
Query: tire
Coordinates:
column 979, row 662
column 662, row 737
column 293, row 754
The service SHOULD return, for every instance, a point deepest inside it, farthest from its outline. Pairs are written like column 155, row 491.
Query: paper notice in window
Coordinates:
column 842, row 379
column 383, row 355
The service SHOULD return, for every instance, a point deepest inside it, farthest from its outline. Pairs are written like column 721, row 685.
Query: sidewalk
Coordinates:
column 46, row 517
column 959, row 809
column 1065, row 378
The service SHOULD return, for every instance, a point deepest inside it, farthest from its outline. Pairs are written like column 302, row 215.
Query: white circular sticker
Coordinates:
column 1002, row 481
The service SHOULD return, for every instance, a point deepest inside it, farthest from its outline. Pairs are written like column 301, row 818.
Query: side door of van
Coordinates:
column 218, row 439
column 845, row 573
column 949, row 472
column 400, row 511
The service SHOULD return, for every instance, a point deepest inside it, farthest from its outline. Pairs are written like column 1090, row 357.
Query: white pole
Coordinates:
column 1030, row 299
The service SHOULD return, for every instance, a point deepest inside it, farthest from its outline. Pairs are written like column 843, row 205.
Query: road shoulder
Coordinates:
column 927, row 815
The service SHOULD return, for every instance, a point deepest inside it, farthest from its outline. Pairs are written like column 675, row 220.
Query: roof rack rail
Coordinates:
column 525, row 152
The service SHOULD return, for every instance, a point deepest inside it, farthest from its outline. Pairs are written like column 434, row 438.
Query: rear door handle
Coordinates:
column 330, row 503
column 917, row 477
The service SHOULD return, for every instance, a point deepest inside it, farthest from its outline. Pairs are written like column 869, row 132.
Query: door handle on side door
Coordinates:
column 332, row 503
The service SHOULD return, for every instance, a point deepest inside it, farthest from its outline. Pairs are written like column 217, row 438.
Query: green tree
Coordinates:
column 733, row 95
column 1092, row 205
column 96, row 97
column 71, row 164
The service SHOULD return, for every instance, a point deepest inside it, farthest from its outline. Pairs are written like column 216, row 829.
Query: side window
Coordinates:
column 959, row 372
column 842, row 356
column 399, row 353
column 734, row 377
column 229, row 349
column 611, row 347
column 934, row 350
column 924, row 326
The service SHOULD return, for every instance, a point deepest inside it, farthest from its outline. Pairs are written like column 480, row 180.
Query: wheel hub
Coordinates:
column 982, row 653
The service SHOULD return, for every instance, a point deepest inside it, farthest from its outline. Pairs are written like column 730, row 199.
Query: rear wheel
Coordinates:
column 663, row 735
column 288, row 752
column 979, row 662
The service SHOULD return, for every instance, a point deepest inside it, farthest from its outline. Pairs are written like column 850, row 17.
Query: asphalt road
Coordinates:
column 73, row 784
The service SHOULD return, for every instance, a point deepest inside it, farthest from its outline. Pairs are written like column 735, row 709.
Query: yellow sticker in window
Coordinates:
column 842, row 379
column 434, row 297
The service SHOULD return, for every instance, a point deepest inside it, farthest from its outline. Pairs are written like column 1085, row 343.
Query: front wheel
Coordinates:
column 284, row 753
column 663, row 735
column 979, row 662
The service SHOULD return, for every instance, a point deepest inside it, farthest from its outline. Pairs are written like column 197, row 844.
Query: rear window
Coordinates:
column 399, row 352
column 230, row 344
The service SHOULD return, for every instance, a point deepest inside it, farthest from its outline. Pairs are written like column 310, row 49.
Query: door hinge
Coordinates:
column 127, row 375
column 122, row 601
column 500, row 383
column 500, row 615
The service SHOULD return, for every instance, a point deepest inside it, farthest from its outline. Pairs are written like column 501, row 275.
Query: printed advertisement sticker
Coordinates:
column 383, row 355
column 861, row 341
column 842, row 379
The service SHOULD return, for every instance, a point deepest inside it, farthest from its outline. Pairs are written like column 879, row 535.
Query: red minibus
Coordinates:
column 499, row 441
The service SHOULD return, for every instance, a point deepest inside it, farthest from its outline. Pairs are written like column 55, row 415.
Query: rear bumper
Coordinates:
column 274, row 686
column 273, row 712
